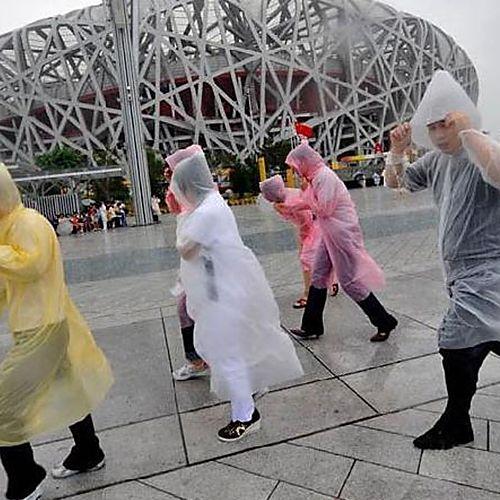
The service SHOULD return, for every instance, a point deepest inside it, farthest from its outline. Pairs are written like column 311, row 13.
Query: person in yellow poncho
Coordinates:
column 54, row 375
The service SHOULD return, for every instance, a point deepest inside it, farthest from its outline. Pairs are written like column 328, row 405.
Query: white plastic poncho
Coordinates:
column 466, row 189
column 237, row 323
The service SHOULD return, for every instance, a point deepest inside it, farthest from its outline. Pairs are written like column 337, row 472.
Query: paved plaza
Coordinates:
column 344, row 430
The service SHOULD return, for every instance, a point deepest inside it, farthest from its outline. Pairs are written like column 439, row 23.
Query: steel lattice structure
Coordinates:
column 224, row 73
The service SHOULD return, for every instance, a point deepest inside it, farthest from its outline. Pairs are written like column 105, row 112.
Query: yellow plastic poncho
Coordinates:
column 54, row 375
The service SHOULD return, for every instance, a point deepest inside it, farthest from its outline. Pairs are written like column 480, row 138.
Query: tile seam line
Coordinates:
column 179, row 419
column 335, row 376
column 346, row 479
column 280, row 480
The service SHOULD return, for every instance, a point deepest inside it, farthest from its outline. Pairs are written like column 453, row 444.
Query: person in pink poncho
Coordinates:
column 195, row 366
column 289, row 204
column 342, row 248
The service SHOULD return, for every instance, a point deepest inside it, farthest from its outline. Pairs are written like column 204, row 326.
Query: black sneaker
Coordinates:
column 234, row 431
column 383, row 333
column 301, row 334
column 441, row 438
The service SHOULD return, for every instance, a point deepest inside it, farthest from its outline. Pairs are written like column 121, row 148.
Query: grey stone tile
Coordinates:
column 491, row 390
column 401, row 385
column 368, row 481
column 128, row 491
column 495, row 437
column 411, row 383
column 169, row 311
column 366, row 444
column 483, row 406
column 132, row 238
column 285, row 414
column 345, row 347
column 288, row 492
column 143, row 387
column 419, row 298
column 122, row 319
column 132, row 451
column 486, row 406
column 313, row 469
column 413, row 423
column 463, row 465
column 434, row 406
column 214, row 481
column 194, row 394
column 490, row 371
column 125, row 295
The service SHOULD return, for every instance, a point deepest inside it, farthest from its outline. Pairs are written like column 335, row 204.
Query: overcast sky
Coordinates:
column 472, row 23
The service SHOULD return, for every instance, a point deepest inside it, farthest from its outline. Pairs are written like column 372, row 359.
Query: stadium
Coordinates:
column 228, row 75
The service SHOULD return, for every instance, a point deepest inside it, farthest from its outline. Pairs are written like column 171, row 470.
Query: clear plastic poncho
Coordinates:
column 173, row 160
column 443, row 95
column 342, row 239
column 293, row 209
column 54, row 375
column 465, row 186
column 237, row 323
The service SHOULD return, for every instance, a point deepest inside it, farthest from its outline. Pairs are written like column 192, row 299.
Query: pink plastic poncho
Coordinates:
column 328, row 198
column 294, row 210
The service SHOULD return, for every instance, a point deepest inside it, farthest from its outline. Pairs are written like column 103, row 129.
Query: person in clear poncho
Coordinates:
column 194, row 366
column 462, row 169
column 54, row 375
column 237, row 324
column 341, row 249
column 288, row 203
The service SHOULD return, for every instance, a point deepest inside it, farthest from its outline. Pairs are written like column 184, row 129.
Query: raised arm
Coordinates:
column 28, row 251
column 396, row 163
column 485, row 153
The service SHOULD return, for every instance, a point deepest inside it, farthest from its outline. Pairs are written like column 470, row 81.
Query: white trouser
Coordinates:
column 242, row 403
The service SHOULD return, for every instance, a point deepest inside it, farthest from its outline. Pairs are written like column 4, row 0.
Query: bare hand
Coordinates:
column 400, row 138
column 280, row 207
column 167, row 173
column 458, row 121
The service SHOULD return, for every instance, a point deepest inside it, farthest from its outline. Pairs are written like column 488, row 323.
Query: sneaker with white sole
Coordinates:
column 236, row 430
column 61, row 472
column 190, row 371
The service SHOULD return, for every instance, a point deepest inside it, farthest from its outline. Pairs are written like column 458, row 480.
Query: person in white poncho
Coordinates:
column 237, row 325
column 463, row 171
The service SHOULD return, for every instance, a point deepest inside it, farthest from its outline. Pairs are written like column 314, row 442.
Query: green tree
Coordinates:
column 156, row 165
column 110, row 188
column 275, row 154
column 61, row 158
column 106, row 157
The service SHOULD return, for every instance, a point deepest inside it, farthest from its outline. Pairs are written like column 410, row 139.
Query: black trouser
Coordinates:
column 461, row 370
column 188, row 342
column 312, row 319
column 377, row 313
column 24, row 473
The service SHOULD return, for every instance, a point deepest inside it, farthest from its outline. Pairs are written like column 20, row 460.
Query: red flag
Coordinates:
column 304, row 130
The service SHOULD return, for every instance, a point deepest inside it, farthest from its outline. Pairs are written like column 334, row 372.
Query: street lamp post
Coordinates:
column 128, row 83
